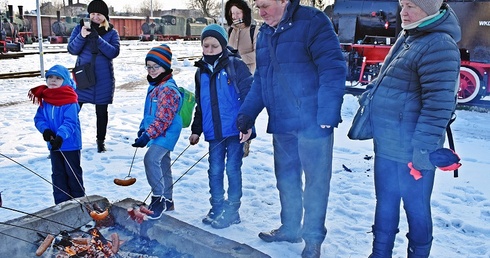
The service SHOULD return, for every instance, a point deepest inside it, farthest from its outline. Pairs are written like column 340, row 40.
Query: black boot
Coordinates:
column 214, row 212
column 157, row 205
column 312, row 250
column 100, row 146
column 169, row 205
column 281, row 234
column 228, row 216
column 418, row 250
column 383, row 243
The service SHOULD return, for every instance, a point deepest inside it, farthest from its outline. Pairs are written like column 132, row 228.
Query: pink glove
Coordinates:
column 414, row 172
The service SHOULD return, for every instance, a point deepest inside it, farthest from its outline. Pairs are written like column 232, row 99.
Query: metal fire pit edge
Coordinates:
column 181, row 236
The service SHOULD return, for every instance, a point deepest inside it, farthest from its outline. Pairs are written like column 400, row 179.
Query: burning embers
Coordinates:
column 81, row 244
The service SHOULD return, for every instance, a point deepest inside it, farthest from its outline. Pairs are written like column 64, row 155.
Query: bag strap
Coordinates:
column 282, row 80
column 450, row 139
column 231, row 71
column 252, row 32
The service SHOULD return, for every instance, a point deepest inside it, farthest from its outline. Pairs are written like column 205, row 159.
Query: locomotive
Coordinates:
column 57, row 29
column 171, row 27
column 367, row 30
column 15, row 31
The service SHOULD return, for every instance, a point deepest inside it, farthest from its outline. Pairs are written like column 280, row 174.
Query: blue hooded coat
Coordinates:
column 62, row 120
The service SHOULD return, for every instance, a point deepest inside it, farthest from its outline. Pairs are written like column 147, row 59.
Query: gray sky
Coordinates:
column 117, row 4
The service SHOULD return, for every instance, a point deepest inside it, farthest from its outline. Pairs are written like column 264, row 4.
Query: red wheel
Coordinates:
column 469, row 85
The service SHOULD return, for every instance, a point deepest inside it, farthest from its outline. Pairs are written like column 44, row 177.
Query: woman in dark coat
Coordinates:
column 102, row 39
column 412, row 103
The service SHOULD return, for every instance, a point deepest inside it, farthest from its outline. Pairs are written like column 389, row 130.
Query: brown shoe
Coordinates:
column 278, row 235
column 312, row 250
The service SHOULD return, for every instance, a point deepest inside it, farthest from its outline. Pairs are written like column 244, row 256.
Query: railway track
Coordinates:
column 15, row 55
column 26, row 74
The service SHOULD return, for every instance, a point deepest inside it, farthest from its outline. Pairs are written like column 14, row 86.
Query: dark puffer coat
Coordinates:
column 107, row 46
column 415, row 98
column 306, row 88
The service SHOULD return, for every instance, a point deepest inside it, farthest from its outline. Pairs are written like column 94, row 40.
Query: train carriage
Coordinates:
column 367, row 29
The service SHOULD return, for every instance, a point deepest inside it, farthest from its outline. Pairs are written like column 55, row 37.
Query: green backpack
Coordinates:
column 188, row 103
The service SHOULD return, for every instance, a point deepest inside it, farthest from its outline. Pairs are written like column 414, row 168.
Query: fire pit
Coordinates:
column 18, row 237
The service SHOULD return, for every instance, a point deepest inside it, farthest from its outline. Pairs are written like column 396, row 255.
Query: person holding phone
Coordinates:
column 102, row 39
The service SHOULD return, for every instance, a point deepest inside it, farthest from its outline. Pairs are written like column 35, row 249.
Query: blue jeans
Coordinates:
column 67, row 176
column 231, row 149
column 311, row 153
column 158, row 171
column 393, row 183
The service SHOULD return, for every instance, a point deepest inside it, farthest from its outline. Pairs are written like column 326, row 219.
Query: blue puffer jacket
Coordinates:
column 417, row 85
column 157, row 113
column 217, row 99
column 63, row 121
column 308, row 88
column 108, row 48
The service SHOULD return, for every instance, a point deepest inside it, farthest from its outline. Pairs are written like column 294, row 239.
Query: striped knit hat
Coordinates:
column 162, row 55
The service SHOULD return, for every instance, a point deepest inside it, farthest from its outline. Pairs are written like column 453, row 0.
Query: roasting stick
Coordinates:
column 96, row 215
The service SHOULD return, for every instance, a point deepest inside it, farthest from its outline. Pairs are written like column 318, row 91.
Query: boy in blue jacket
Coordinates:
column 57, row 119
column 218, row 101
column 160, row 128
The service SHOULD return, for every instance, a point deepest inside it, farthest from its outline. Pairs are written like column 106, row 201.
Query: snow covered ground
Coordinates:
column 461, row 206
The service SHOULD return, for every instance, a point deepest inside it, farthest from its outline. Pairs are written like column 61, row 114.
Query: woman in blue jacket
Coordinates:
column 413, row 100
column 219, row 96
column 102, row 39
column 57, row 119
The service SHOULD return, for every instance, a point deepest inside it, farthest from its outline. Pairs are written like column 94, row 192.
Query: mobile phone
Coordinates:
column 86, row 22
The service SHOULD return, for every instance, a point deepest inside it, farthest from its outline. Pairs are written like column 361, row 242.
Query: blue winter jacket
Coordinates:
column 416, row 90
column 306, row 87
column 107, row 47
column 217, row 98
column 63, row 121
column 155, row 104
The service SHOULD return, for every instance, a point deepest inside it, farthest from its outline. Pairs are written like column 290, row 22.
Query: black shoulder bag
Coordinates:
column 84, row 75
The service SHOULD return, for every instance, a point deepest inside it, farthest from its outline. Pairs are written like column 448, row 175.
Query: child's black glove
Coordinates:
column 56, row 143
column 48, row 135
column 142, row 141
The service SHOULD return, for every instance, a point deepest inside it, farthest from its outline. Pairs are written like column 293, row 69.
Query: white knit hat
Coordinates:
column 428, row 6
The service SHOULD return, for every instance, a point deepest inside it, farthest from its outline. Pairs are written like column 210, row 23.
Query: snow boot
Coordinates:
column 101, row 146
column 312, row 250
column 169, row 205
column 214, row 212
column 383, row 243
column 157, row 205
column 228, row 216
column 418, row 250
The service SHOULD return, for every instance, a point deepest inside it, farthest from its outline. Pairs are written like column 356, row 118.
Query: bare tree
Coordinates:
column 147, row 5
column 210, row 8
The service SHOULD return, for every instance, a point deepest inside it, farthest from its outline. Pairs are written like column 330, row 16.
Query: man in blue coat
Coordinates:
column 300, row 80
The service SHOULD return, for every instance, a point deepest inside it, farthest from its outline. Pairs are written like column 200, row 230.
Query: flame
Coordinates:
column 70, row 251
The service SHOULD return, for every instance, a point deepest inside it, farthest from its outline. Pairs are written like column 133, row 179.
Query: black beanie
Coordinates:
column 98, row 6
